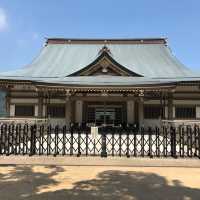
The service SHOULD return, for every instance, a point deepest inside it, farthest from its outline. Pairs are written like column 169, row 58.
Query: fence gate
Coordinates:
column 110, row 141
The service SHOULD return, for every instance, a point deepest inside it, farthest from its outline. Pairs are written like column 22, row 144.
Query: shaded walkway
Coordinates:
column 24, row 183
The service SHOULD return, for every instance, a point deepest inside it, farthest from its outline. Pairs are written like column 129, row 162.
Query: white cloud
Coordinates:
column 3, row 20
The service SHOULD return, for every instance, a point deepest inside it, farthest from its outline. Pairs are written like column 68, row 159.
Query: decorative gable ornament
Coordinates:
column 105, row 49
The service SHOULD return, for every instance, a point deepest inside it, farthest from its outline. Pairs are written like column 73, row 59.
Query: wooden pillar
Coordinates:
column 8, row 103
column 141, row 112
column 40, row 106
column 170, row 107
column 79, row 111
column 130, row 112
column 68, row 111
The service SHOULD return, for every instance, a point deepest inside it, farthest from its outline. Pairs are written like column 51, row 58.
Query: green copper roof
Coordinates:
column 60, row 60
column 103, row 80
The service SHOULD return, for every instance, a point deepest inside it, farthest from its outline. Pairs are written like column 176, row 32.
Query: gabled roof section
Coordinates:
column 63, row 57
column 105, row 62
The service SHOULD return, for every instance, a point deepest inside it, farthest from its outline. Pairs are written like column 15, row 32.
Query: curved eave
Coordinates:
column 112, row 60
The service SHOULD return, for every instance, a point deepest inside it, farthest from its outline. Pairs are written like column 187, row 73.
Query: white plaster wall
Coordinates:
column 152, row 102
column 186, row 102
column 198, row 112
column 12, row 110
column 36, row 111
column 57, row 121
column 57, row 101
column 152, row 123
column 25, row 101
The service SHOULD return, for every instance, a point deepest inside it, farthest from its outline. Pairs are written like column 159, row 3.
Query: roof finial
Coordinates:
column 105, row 49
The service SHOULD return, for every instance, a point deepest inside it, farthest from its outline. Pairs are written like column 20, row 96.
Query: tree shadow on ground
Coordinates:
column 23, row 183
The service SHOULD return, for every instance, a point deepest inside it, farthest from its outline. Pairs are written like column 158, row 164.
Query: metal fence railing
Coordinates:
column 25, row 139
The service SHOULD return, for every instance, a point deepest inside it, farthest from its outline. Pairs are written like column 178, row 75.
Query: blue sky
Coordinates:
column 24, row 24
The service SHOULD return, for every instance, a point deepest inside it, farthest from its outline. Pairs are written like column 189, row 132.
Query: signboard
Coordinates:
column 94, row 132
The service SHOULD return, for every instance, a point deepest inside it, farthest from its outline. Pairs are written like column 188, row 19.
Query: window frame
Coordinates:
column 153, row 106
column 24, row 115
column 185, row 106
column 56, row 106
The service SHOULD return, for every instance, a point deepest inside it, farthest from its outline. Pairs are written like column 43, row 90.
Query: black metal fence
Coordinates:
column 110, row 141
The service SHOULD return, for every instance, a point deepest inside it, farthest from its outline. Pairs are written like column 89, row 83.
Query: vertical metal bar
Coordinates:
column 41, row 134
column 190, row 139
column 16, row 138
column 79, row 141
column 127, row 144
column 20, row 139
column 5, row 138
column 49, row 132
column 135, row 143
column 71, row 140
column 188, row 146
column 56, row 140
column 198, row 135
column 120, row 142
column 86, row 143
column 158, row 134
column 195, row 140
column 181, row 145
column 31, row 145
column 64, row 131
column 25, row 139
column 113, row 141
column 173, row 142
column 164, row 141
column 1, row 138
column 150, row 142
column 103, row 144
column 142, row 141
column 10, row 134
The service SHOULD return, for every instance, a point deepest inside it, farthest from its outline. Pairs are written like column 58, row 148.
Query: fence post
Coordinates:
column 120, row 141
column 135, row 142
column 142, row 141
column 157, row 142
column 165, row 141
column 150, row 142
column 198, row 135
column 173, row 142
column 71, row 139
column 17, row 136
column 41, row 139
column 56, row 132
column 10, row 134
column 79, row 140
column 86, row 142
column 33, row 134
column 103, row 145
column 181, row 141
column 128, row 143
column 64, row 131
column 1, row 141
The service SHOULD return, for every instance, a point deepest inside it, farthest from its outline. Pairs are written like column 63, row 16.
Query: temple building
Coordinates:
column 102, row 81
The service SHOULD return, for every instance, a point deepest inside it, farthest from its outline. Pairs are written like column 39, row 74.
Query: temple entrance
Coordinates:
column 107, row 113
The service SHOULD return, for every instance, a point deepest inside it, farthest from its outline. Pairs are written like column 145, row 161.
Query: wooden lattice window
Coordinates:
column 153, row 112
column 185, row 112
column 24, row 110
column 56, row 111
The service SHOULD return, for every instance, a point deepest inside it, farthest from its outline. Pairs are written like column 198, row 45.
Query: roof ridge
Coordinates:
column 159, row 40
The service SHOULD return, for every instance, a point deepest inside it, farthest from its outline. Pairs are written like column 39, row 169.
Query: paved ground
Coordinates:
column 24, row 182
column 98, row 161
